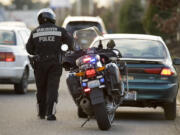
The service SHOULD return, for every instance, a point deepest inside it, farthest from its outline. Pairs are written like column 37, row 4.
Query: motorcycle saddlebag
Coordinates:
column 73, row 86
column 113, row 76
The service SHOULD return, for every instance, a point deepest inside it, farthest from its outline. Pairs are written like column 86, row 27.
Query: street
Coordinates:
column 18, row 116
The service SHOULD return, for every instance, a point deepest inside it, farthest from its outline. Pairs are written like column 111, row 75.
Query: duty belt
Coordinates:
column 47, row 57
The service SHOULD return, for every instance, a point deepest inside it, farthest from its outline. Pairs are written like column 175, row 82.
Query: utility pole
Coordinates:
column 78, row 7
column 91, row 7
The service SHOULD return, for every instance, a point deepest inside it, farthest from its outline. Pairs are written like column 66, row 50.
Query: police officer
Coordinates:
column 45, row 44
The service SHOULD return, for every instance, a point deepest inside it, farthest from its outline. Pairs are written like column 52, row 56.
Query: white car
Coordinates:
column 73, row 23
column 14, row 63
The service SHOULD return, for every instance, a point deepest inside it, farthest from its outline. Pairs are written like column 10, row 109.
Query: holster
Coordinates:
column 33, row 59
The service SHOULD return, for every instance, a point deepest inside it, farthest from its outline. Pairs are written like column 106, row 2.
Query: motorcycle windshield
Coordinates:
column 84, row 37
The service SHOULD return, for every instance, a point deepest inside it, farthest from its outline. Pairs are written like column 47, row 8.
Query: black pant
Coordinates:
column 47, row 75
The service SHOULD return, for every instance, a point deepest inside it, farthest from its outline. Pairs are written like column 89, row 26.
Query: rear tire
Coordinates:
column 101, row 116
column 21, row 88
column 170, row 110
column 81, row 114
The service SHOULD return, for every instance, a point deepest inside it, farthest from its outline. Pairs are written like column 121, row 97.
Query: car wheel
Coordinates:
column 170, row 110
column 21, row 88
column 81, row 114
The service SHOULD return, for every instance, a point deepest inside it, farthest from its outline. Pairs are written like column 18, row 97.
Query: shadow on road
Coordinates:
column 142, row 116
column 11, row 92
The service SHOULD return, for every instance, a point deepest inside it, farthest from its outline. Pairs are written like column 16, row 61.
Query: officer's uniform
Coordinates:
column 45, row 43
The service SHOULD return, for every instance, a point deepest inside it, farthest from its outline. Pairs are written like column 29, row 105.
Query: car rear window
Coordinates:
column 137, row 48
column 73, row 26
column 7, row 37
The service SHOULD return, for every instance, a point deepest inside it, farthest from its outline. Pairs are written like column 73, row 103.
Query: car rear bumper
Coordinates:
column 10, row 75
column 152, row 94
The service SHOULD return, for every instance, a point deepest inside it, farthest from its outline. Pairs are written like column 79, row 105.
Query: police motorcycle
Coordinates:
column 95, row 84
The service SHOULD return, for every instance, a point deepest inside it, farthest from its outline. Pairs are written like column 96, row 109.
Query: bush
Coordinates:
column 151, row 23
column 130, row 14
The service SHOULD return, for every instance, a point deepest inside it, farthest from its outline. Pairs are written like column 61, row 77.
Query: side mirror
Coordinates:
column 176, row 61
column 64, row 47
column 111, row 44
column 100, row 46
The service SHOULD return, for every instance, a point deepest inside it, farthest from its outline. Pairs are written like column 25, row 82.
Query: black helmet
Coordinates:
column 46, row 15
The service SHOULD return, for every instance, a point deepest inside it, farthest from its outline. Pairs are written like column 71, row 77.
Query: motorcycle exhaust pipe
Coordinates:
column 85, row 103
column 86, row 106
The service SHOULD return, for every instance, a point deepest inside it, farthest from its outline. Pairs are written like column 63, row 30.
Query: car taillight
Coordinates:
column 161, row 71
column 90, row 73
column 7, row 56
column 152, row 70
column 166, row 72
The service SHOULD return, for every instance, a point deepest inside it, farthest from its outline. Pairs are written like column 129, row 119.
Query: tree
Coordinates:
column 130, row 17
column 162, row 18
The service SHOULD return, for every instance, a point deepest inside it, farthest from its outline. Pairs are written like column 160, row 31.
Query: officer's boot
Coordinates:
column 51, row 110
column 41, row 110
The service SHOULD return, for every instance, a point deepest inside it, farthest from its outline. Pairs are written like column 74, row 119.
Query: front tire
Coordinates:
column 21, row 88
column 170, row 110
column 101, row 116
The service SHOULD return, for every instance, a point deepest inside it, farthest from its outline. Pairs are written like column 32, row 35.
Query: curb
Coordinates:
column 178, row 98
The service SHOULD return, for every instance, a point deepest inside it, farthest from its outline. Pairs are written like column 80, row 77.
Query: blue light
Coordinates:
column 102, row 80
column 84, row 84
column 93, row 60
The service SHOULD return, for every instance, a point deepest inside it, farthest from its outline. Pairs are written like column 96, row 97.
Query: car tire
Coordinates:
column 81, row 114
column 170, row 110
column 21, row 88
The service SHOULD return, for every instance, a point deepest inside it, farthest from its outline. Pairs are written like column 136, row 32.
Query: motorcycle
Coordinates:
column 96, row 85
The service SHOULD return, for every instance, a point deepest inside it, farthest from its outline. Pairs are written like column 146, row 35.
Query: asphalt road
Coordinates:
column 18, row 117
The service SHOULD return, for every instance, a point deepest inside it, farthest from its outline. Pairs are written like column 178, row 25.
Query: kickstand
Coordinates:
column 86, row 121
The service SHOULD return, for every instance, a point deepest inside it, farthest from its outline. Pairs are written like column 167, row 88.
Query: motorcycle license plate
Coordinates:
column 93, row 84
column 96, row 96
column 131, row 95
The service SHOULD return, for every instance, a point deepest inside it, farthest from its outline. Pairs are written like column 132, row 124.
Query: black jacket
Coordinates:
column 47, row 40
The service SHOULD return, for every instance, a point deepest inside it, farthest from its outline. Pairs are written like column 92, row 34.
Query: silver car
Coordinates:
column 14, row 64
column 74, row 23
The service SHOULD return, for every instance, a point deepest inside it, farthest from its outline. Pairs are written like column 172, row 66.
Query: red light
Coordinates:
column 87, row 59
column 87, row 90
column 166, row 72
column 90, row 73
column 10, row 57
column 7, row 56
column 153, row 70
